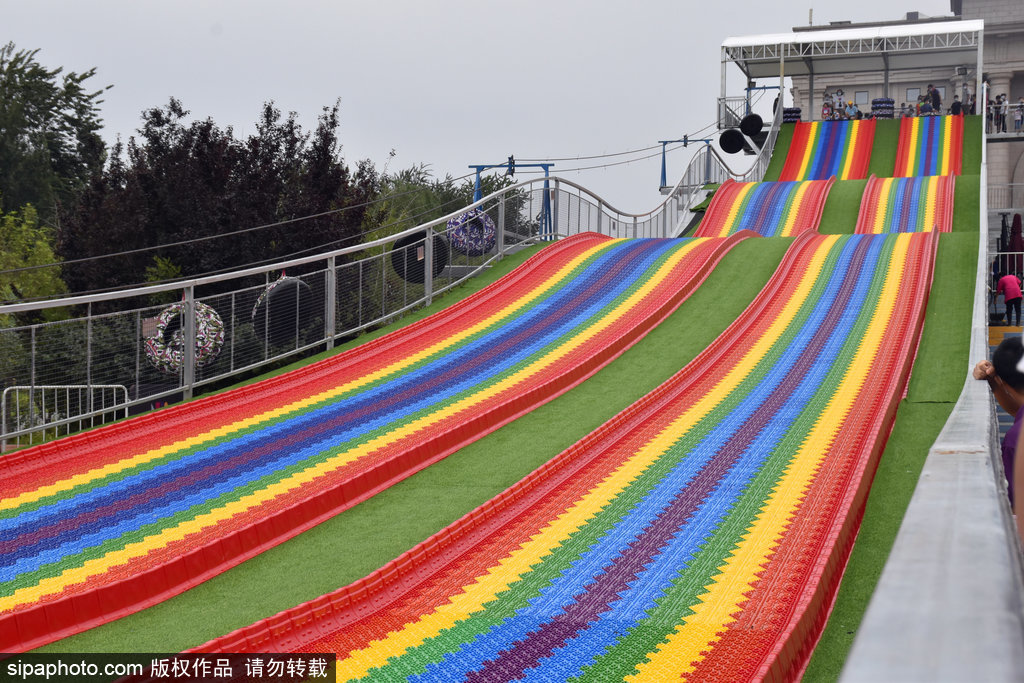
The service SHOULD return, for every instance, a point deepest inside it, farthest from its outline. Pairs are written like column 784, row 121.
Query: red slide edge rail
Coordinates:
column 821, row 192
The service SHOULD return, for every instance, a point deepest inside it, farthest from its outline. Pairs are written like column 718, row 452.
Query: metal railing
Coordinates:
column 731, row 111
column 707, row 167
column 1002, row 119
column 1001, row 263
column 1006, row 196
column 246, row 320
column 70, row 406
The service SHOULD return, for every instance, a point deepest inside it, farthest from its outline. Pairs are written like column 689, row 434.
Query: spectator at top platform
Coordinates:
column 852, row 110
column 956, row 109
column 973, row 108
column 936, row 99
column 1018, row 115
column 827, row 106
column 999, row 113
column 838, row 104
column 926, row 107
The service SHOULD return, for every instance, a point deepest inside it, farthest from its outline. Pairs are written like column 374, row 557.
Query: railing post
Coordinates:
column 428, row 266
column 359, row 288
column 266, row 319
column 634, row 227
column 298, row 318
column 232, row 332
column 188, row 354
column 31, row 389
column 500, row 237
column 554, row 211
column 3, row 422
column 88, row 358
column 600, row 216
column 138, row 352
column 331, row 303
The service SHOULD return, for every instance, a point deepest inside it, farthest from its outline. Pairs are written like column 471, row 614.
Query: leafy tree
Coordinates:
column 23, row 244
column 183, row 183
column 412, row 196
column 49, row 132
column 162, row 270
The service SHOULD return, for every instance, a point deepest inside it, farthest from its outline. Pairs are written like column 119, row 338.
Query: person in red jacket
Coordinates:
column 1009, row 287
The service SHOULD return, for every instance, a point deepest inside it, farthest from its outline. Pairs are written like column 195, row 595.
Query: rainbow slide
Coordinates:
column 698, row 535
column 917, row 204
column 822, row 149
column 929, row 146
column 770, row 209
column 104, row 523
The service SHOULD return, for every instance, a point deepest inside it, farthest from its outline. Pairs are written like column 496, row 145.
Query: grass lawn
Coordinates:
column 883, row 151
column 778, row 160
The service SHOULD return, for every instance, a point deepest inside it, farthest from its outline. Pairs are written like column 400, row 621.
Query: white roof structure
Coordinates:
column 869, row 48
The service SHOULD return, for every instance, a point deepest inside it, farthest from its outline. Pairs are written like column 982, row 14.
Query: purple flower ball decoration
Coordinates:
column 472, row 233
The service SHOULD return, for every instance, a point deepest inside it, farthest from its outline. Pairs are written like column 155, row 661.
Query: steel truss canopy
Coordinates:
column 876, row 48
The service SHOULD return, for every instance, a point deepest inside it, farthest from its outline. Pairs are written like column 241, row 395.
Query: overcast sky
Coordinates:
column 445, row 82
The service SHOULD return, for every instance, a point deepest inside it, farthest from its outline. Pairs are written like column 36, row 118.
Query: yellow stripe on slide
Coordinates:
column 239, row 425
column 472, row 597
column 342, row 458
column 693, row 638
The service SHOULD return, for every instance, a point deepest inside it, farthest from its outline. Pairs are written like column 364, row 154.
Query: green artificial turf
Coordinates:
column 839, row 217
column 883, row 150
column 779, row 153
column 362, row 539
column 973, row 140
column 966, row 204
column 935, row 385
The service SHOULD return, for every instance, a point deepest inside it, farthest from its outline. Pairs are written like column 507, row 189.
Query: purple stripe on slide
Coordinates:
column 587, row 607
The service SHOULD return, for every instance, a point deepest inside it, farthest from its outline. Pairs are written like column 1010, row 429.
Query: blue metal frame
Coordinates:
column 664, row 143
column 510, row 169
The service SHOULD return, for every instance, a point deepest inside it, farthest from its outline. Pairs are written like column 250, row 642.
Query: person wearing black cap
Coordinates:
column 1007, row 384
column 956, row 109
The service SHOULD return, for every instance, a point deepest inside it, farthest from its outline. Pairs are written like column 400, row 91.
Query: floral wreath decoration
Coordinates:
column 167, row 355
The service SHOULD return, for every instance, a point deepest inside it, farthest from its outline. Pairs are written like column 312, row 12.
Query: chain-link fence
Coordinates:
column 251, row 319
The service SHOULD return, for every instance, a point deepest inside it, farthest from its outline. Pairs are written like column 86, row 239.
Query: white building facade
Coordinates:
column 1003, row 60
